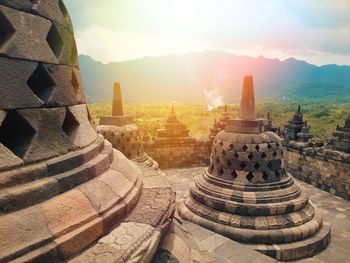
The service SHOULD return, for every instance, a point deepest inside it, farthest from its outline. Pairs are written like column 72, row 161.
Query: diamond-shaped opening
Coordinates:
column 277, row 144
column 223, row 152
column 257, row 147
column 269, row 165
column 249, row 176
column 256, row 166
column 234, row 174
column 221, row 171
column 236, row 155
column 265, row 176
column 269, row 146
column 221, row 144
column 245, row 147
column 217, row 160
column 55, row 41
column 63, row 8
column 228, row 163
column 16, row 133
column 278, row 173
column 231, row 146
column 6, row 29
column 274, row 153
column 41, row 83
column 122, row 134
column 263, row 155
column 242, row 165
column 250, row 156
column 70, row 124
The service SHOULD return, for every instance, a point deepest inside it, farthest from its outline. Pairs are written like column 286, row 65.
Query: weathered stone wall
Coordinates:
column 321, row 167
column 177, row 153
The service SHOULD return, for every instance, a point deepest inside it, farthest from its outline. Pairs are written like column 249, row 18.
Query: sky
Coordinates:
column 317, row 31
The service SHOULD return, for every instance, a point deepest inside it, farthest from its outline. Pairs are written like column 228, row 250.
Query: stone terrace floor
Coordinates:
column 334, row 210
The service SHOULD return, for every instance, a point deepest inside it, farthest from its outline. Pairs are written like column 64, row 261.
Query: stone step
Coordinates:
column 24, row 195
column 137, row 237
column 300, row 249
column 252, row 222
column 53, row 166
column 254, row 236
column 59, row 228
column 273, row 196
column 249, row 209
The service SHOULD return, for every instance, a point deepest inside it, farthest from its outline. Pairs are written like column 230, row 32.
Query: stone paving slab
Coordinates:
column 333, row 209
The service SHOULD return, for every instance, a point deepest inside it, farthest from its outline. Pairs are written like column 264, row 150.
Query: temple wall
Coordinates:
column 322, row 170
column 178, row 154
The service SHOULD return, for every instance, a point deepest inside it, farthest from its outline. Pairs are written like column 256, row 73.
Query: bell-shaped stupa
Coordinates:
column 247, row 195
column 62, row 186
column 123, row 133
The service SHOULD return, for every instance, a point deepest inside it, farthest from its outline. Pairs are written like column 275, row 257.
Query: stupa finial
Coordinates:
column 173, row 109
column 225, row 108
column 247, row 111
column 299, row 108
column 117, row 106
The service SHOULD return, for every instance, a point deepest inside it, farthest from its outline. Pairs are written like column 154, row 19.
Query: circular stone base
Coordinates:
column 280, row 251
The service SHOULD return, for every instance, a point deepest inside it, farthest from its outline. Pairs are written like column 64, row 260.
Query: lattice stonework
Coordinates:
column 247, row 195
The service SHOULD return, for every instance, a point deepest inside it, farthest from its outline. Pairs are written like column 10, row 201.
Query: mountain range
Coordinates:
column 213, row 76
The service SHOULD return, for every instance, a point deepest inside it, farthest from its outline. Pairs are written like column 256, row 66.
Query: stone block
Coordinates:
column 53, row 10
column 63, row 45
column 78, row 239
column 22, row 175
column 8, row 159
column 62, row 215
column 48, row 139
column 100, row 195
column 22, row 230
column 56, row 85
column 27, row 36
column 119, row 184
column 14, row 90
column 24, row 5
column 78, row 126
column 19, row 197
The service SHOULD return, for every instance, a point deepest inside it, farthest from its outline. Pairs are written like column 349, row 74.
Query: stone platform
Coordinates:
column 138, row 235
column 333, row 209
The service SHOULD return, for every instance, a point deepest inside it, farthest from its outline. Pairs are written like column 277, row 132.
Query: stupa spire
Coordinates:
column 117, row 107
column 247, row 111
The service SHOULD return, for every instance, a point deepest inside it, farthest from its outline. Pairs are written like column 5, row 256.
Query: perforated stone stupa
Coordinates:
column 219, row 125
column 174, row 147
column 123, row 133
column 340, row 139
column 247, row 195
column 62, row 186
column 293, row 130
